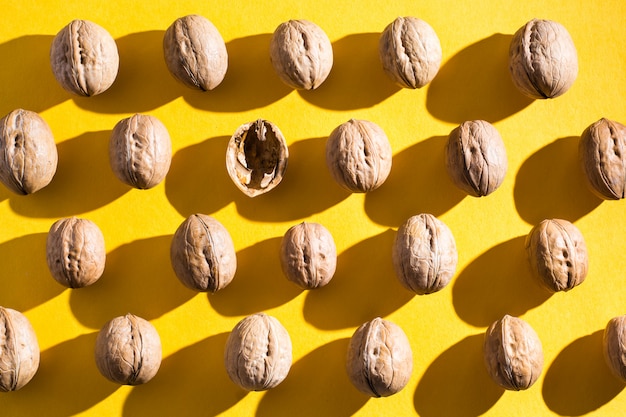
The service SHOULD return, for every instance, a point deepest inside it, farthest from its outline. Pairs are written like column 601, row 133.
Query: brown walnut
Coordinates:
column 19, row 350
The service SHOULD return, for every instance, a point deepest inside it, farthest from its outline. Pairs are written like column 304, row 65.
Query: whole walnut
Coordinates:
column 195, row 52
column 28, row 153
column 19, row 350
column 410, row 52
column 543, row 61
column 614, row 346
column 84, row 58
column 476, row 158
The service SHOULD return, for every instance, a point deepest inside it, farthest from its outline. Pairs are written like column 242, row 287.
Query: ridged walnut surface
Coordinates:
column 614, row 346
column 19, row 350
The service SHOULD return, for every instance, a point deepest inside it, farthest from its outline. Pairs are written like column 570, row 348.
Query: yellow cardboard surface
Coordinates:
column 445, row 329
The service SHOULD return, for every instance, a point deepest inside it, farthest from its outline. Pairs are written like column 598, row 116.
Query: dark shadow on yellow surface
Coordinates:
column 250, row 81
column 25, row 279
column 317, row 385
column 419, row 176
column 26, row 79
column 496, row 283
column 190, row 382
column 67, row 382
column 83, row 182
column 552, row 184
column 259, row 283
column 457, row 384
column 357, row 79
column 138, row 279
column 578, row 381
column 364, row 286
column 476, row 84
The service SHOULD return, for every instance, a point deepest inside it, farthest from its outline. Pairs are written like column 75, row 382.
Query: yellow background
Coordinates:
column 445, row 329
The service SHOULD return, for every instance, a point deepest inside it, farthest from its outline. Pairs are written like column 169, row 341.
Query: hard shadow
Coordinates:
column 317, row 385
column 364, row 286
column 419, row 177
column 579, row 381
column 496, row 283
column 457, row 384
column 138, row 279
column 551, row 184
column 83, row 182
column 476, row 84
column 259, row 283
column 190, row 382
column 25, row 280
column 250, row 81
column 66, row 384
column 357, row 79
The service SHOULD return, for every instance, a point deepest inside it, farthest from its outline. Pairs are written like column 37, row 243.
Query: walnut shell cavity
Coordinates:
column 476, row 159
column 195, row 52
column 28, row 153
column 128, row 350
column 379, row 361
column 308, row 255
column 557, row 254
column 84, row 58
column 602, row 153
column 358, row 155
column 410, row 52
column 75, row 252
column 513, row 353
column 614, row 346
column 140, row 151
column 203, row 254
column 256, row 158
column 424, row 254
column 301, row 54
column 543, row 61
column 258, row 353
column 19, row 350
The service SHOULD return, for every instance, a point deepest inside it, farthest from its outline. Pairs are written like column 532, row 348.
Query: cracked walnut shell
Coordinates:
column 19, row 350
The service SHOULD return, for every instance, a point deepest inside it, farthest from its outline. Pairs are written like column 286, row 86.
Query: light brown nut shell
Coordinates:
column 513, row 353
column 19, row 350
column 308, row 255
column 476, row 158
column 28, row 153
column 203, row 254
column 602, row 151
column 84, row 58
column 543, row 61
column 379, row 360
column 128, row 350
column 75, row 252
column 301, row 54
column 258, row 353
column 256, row 158
column 358, row 155
column 140, row 151
column 410, row 52
column 424, row 254
column 557, row 254
column 195, row 52
column 614, row 346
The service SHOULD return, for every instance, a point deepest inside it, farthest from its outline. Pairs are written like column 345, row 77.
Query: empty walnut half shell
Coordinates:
column 256, row 158
column 19, row 350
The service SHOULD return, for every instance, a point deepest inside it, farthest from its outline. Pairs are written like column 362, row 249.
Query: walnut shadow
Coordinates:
column 66, row 383
column 552, row 184
column 138, row 279
column 190, row 382
column 579, row 381
column 364, row 286
column 457, row 384
column 357, row 79
column 250, row 81
column 418, row 183
column 319, row 382
column 496, row 283
column 26, row 281
column 83, row 182
column 475, row 84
